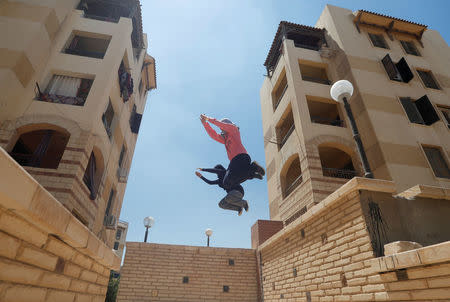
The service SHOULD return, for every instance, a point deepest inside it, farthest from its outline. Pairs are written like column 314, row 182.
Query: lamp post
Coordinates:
column 340, row 91
column 148, row 223
column 208, row 233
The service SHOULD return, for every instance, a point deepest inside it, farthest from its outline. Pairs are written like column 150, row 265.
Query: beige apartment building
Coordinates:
column 400, row 71
column 75, row 77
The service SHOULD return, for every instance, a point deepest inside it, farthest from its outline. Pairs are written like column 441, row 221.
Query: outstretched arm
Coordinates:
column 216, row 171
column 224, row 126
column 213, row 134
column 210, row 182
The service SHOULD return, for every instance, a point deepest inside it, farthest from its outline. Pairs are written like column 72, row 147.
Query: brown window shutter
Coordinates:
column 135, row 122
column 437, row 162
column 411, row 111
column 427, row 111
column 404, row 70
column 390, row 67
column 41, row 149
column 89, row 177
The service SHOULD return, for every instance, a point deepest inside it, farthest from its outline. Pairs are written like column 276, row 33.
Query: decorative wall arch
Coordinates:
column 290, row 174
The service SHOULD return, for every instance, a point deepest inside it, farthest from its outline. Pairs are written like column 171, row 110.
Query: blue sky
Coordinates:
column 209, row 59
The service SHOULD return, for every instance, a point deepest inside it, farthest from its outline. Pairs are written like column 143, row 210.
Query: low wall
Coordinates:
column 327, row 255
column 155, row 272
column 46, row 254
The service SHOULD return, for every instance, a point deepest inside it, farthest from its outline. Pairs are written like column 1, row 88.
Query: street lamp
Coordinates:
column 340, row 92
column 208, row 233
column 148, row 223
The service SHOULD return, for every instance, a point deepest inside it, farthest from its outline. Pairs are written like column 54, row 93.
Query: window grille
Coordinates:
column 378, row 40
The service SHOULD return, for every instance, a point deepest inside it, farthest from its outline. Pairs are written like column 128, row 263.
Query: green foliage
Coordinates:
column 113, row 287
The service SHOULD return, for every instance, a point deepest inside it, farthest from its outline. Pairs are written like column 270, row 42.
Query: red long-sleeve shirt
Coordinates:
column 231, row 140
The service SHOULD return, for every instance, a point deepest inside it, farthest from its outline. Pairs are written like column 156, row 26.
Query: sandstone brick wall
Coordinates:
column 46, row 254
column 327, row 255
column 263, row 230
column 154, row 272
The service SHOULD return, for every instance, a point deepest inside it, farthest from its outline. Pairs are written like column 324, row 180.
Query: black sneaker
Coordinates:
column 258, row 168
column 257, row 175
column 246, row 206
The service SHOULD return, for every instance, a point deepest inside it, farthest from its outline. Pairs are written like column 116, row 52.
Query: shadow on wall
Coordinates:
column 422, row 220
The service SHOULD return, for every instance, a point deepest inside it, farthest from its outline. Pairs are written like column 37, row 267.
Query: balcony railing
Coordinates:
column 280, row 97
column 293, row 185
column 85, row 53
column 101, row 18
column 339, row 173
column 300, row 45
column 316, row 80
column 285, row 138
column 327, row 121
column 60, row 99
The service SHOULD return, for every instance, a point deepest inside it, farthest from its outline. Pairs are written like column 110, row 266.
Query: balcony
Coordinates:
column 291, row 176
column 279, row 90
column 65, row 90
column 285, row 127
column 325, row 112
column 126, row 82
column 87, row 47
column 339, row 173
column 336, row 163
column 313, row 73
column 293, row 185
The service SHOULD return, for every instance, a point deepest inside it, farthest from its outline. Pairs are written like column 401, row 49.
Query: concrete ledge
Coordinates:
column 21, row 193
column 355, row 184
column 199, row 249
column 426, row 191
column 432, row 254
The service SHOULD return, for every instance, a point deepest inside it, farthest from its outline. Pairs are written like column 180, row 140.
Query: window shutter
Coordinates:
column 411, row 110
column 41, row 149
column 437, row 162
column 135, row 122
column 427, row 111
column 390, row 68
column 404, row 70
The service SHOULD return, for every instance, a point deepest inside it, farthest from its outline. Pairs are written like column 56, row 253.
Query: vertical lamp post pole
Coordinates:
column 208, row 233
column 340, row 92
column 148, row 223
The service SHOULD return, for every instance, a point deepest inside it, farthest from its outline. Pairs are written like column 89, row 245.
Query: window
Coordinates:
column 87, row 47
column 293, row 177
column 445, row 111
column 90, row 178
column 116, row 245
column 410, row 48
column 324, row 112
column 121, row 156
column 118, row 234
column 399, row 71
column 110, row 203
column 135, row 120
column 315, row 74
column 437, row 161
column 285, row 128
column 420, row 111
column 279, row 90
column 141, row 86
column 428, row 79
column 107, row 119
column 378, row 40
column 66, row 90
column 40, row 148
column 336, row 163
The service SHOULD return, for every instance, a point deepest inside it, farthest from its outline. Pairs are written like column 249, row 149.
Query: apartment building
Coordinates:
column 121, row 237
column 75, row 78
column 400, row 71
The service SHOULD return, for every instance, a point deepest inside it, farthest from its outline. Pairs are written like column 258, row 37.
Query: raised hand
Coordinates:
column 203, row 118
column 198, row 174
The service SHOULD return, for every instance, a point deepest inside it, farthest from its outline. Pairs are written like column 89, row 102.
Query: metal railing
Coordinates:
column 316, row 80
column 339, row 173
column 285, row 138
column 85, row 53
column 101, row 18
column 327, row 121
column 280, row 98
column 293, row 185
column 60, row 99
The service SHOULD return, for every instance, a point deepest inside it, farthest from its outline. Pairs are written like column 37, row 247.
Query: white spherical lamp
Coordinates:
column 149, row 221
column 208, row 232
column 340, row 90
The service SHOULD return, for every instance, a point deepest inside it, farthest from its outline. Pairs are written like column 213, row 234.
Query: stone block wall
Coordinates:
column 46, row 254
column 158, row 272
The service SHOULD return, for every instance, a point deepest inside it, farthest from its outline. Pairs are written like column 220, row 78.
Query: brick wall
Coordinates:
column 46, row 254
column 327, row 255
column 154, row 272
column 263, row 230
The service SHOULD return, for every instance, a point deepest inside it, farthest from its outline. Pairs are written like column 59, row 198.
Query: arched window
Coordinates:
column 292, row 178
column 336, row 163
column 40, row 148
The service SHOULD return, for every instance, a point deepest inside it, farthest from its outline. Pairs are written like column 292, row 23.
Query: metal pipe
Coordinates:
column 146, row 234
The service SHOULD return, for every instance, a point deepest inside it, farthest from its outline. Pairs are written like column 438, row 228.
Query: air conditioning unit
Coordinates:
column 110, row 222
column 122, row 174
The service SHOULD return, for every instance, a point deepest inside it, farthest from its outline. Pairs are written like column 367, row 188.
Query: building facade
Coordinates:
column 121, row 237
column 75, row 76
column 401, row 100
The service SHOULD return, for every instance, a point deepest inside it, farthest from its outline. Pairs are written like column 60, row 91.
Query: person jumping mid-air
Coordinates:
column 241, row 167
column 233, row 200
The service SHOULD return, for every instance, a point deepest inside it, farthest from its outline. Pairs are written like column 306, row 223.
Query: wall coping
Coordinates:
column 206, row 249
column 431, row 254
column 22, row 194
column 355, row 184
column 426, row 192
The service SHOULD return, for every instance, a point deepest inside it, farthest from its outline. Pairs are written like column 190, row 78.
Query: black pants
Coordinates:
column 239, row 170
